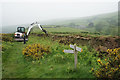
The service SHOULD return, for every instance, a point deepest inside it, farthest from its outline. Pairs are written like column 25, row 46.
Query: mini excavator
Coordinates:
column 20, row 34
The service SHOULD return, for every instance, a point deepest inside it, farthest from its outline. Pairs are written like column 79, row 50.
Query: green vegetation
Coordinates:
column 106, row 24
column 66, row 31
column 54, row 65
column 58, row 30
column 43, row 57
column 109, row 66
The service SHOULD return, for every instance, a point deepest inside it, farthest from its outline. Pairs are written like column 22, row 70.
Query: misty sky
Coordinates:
column 26, row 12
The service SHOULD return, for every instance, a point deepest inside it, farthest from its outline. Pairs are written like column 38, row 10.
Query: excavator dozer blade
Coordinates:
column 20, row 39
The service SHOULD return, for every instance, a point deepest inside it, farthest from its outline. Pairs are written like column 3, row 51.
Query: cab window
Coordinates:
column 21, row 29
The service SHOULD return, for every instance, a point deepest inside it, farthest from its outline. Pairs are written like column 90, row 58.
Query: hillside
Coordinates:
column 106, row 24
column 109, row 17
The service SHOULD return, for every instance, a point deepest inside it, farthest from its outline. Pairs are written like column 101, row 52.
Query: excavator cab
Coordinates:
column 19, row 34
column 21, row 29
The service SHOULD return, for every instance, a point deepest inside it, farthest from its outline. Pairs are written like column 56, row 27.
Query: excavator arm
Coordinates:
column 35, row 24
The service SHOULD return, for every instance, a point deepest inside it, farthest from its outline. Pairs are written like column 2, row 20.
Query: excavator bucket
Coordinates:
column 45, row 31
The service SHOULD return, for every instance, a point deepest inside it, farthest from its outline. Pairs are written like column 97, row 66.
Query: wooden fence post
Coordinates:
column 75, row 56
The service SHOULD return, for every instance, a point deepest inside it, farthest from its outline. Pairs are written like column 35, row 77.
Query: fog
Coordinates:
column 16, row 13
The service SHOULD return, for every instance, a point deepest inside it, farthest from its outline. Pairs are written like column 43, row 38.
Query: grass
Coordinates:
column 58, row 30
column 55, row 65
column 66, row 31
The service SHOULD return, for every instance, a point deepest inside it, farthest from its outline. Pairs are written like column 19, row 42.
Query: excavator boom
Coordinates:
column 35, row 24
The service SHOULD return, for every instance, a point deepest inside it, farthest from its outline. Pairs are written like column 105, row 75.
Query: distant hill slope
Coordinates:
column 108, row 17
column 103, row 23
